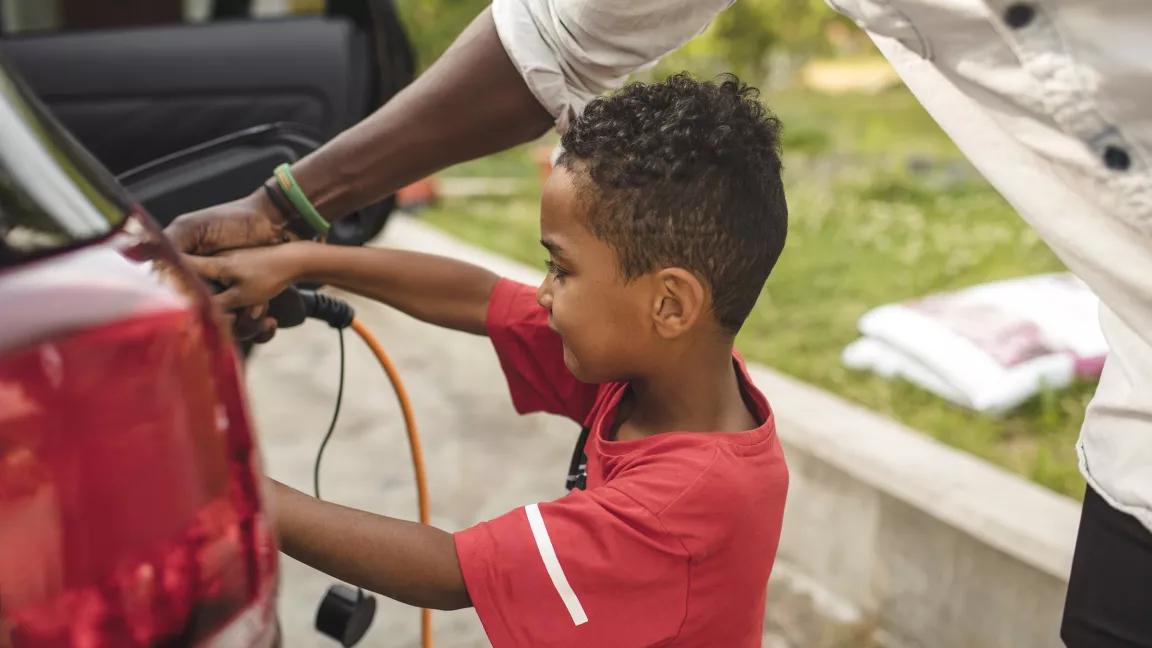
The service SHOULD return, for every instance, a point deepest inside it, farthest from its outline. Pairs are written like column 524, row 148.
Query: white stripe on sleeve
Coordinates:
column 552, row 564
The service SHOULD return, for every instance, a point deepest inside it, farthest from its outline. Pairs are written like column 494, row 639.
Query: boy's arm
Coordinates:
column 412, row 563
column 435, row 289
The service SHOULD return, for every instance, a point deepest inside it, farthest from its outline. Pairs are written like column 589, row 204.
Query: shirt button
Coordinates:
column 1117, row 159
column 1019, row 15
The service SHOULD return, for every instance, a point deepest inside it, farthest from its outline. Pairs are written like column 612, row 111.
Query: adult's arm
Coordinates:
column 519, row 67
column 471, row 102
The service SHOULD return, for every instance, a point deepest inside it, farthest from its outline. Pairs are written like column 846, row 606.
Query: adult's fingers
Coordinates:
column 266, row 332
column 185, row 235
column 245, row 328
column 238, row 224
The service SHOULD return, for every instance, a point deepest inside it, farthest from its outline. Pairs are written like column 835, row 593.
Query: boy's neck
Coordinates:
column 697, row 391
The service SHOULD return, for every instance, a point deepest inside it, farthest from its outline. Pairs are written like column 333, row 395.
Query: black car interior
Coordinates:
column 191, row 115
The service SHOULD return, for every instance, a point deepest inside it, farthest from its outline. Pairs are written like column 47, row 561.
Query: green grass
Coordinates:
column 883, row 208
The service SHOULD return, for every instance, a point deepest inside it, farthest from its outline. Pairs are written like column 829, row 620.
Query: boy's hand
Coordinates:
column 251, row 277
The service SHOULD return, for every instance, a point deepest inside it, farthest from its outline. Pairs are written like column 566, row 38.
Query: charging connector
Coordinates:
column 291, row 307
column 336, row 312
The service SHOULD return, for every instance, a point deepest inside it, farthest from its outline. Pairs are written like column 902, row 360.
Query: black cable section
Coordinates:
column 332, row 425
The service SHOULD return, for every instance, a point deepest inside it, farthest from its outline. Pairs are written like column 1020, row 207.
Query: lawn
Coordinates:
column 882, row 208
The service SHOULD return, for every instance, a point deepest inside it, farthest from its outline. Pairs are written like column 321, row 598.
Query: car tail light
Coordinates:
column 130, row 510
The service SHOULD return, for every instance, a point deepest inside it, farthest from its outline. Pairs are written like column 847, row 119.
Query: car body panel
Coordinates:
column 130, row 504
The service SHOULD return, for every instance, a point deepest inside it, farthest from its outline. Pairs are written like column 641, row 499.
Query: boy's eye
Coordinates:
column 554, row 270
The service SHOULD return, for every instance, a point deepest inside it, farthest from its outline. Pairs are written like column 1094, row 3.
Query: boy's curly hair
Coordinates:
column 685, row 173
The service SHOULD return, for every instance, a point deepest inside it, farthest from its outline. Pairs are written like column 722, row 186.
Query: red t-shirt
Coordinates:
column 670, row 544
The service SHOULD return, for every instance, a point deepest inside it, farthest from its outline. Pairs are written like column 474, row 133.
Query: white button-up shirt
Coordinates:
column 1050, row 99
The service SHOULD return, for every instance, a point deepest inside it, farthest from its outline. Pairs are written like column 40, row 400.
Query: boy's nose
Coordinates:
column 544, row 293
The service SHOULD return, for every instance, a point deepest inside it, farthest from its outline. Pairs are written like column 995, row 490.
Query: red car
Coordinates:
column 130, row 502
column 130, row 507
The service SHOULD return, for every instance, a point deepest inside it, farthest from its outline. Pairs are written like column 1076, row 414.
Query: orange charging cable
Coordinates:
column 413, row 444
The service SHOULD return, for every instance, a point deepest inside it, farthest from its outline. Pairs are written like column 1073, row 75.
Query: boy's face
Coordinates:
column 605, row 322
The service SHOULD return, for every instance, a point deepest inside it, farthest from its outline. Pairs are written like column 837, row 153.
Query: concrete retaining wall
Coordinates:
column 893, row 538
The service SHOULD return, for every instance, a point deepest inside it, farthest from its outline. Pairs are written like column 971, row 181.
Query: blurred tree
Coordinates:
column 433, row 24
column 744, row 38
column 750, row 30
column 741, row 39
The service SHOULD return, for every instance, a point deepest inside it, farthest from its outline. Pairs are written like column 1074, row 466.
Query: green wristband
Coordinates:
column 291, row 190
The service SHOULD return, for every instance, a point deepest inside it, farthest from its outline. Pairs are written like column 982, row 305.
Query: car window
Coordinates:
column 53, row 195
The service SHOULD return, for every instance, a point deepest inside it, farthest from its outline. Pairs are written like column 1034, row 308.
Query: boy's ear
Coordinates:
column 679, row 302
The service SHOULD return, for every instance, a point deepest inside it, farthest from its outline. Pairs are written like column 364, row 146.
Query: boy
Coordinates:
column 662, row 219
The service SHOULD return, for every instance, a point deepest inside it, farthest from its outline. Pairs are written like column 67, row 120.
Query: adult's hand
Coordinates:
column 252, row 221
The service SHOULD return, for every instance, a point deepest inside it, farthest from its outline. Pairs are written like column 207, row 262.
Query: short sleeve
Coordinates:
column 569, row 51
column 591, row 569
column 532, row 355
